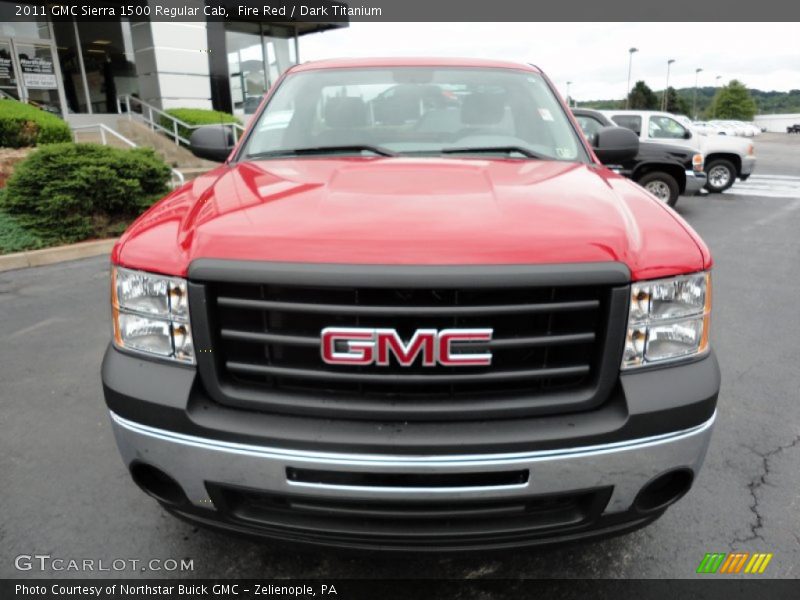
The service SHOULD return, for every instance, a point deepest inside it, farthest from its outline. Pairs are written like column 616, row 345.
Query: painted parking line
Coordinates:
column 769, row 186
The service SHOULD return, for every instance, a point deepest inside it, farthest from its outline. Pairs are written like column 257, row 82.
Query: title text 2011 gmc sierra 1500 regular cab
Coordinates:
column 440, row 325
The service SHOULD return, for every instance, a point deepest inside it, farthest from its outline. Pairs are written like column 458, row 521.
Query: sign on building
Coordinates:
column 38, row 72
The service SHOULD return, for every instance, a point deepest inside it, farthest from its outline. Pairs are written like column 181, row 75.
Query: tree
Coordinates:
column 642, row 97
column 733, row 101
column 676, row 104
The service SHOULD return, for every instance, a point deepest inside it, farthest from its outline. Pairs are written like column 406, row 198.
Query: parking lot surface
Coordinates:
column 65, row 491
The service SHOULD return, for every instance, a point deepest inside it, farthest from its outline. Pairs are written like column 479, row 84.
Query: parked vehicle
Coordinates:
column 726, row 157
column 739, row 127
column 731, row 126
column 665, row 170
column 793, row 128
column 706, row 128
column 441, row 335
column 723, row 129
column 703, row 127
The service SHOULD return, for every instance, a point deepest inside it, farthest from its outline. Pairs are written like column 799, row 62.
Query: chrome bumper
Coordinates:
column 627, row 466
column 748, row 165
column 694, row 182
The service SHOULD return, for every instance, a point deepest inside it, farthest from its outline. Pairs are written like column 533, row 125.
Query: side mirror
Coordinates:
column 213, row 142
column 687, row 135
column 614, row 145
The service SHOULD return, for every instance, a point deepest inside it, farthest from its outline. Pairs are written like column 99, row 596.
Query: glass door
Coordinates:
column 38, row 75
column 8, row 74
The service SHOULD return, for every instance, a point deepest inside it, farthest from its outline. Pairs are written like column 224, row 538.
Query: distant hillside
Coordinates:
column 768, row 102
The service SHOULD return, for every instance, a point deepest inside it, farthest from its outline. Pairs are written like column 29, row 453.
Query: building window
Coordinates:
column 108, row 62
column 279, row 50
column 37, row 28
column 258, row 53
column 71, row 72
column 246, row 73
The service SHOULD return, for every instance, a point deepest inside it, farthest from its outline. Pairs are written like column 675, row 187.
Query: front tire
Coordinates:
column 662, row 185
column 720, row 175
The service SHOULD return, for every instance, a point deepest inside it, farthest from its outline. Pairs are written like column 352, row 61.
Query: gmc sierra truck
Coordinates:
column 726, row 157
column 441, row 327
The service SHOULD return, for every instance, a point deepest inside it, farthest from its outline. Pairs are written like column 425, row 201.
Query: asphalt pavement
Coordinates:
column 64, row 491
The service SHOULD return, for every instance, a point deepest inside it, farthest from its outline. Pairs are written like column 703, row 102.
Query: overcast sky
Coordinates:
column 594, row 56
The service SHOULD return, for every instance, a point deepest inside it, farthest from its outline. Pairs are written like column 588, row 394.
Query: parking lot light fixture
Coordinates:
column 569, row 100
column 694, row 102
column 666, row 86
column 630, row 64
column 714, row 104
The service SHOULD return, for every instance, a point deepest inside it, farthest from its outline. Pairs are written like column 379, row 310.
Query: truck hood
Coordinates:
column 709, row 144
column 412, row 211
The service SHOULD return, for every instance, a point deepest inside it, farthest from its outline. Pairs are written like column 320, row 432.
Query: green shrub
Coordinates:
column 25, row 125
column 13, row 236
column 66, row 193
column 196, row 116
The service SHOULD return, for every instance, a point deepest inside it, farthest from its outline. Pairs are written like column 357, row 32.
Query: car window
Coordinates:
column 589, row 125
column 415, row 110
column 632, row 122
column 665, row 128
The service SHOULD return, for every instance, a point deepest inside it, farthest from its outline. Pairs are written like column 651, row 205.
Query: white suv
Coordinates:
column 726, row 157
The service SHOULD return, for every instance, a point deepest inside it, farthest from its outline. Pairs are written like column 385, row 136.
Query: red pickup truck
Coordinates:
column 412, row 311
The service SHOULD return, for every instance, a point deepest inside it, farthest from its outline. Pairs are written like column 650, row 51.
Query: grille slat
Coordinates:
column 364, row 310
column 300, row 340
column 421, row 379
column 550, row 345
column 270, row 338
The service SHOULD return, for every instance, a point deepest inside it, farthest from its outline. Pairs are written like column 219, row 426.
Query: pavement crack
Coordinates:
column 754, row 486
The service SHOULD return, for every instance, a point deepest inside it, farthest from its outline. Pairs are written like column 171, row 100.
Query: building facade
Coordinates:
column 777, row 123
column 74, row 67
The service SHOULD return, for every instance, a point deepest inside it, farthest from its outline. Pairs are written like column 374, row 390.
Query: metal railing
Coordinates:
column 105, row 131
column 153, row 116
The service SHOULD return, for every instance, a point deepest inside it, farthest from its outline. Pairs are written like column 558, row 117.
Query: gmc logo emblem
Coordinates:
column 359, row 346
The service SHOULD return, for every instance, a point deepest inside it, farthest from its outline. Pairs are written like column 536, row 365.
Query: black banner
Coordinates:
column 329, row 11
column 406, row 589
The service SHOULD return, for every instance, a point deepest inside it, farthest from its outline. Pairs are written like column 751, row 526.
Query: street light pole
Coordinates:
column 630, row 63
column 569, row 102
column 694, row 102
column 714, row 104
column 666, row 86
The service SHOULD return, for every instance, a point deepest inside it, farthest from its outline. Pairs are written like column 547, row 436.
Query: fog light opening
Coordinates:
column 664, row 490
column 158, row 484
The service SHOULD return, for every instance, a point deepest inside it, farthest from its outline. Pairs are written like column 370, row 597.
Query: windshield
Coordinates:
column 414, row 111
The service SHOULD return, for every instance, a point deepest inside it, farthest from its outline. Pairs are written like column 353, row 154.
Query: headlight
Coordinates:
column 151, row 314
column 668, row 320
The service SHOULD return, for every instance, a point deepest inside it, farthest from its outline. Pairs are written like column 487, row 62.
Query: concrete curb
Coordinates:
column 49, row 256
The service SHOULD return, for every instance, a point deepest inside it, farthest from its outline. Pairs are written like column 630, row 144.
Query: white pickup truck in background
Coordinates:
column 726, row 157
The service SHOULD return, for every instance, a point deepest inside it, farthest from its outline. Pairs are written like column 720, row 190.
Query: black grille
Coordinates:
column 440, row 521
column 548, row 348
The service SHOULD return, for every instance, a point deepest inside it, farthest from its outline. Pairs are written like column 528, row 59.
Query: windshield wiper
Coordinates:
column 379, row 150
column 484, row 149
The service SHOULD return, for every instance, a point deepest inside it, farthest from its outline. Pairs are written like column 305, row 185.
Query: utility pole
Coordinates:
column 714, row 104
column 694, row 102
column 630, row 63
column 666, row 86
